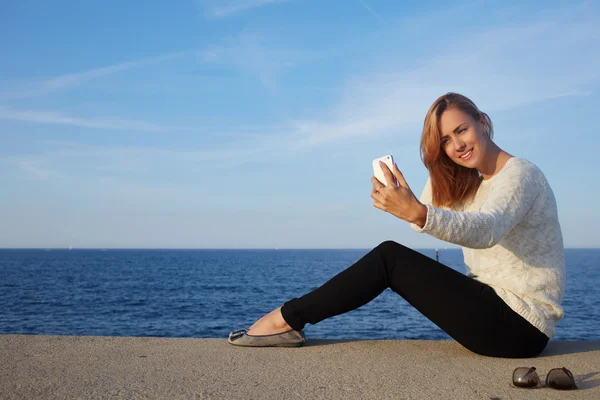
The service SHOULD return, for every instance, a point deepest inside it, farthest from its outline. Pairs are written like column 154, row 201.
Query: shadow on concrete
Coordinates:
column 325, row 342
column 328, row 342
column 554, row 348
column 586, row 381
column 561, row 348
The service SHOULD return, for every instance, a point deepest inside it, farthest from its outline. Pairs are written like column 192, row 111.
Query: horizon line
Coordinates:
column 242, row 248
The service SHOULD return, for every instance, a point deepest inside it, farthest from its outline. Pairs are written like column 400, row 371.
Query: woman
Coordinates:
column 502, row 212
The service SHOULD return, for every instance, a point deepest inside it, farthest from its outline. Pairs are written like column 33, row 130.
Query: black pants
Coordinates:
column 468, row 310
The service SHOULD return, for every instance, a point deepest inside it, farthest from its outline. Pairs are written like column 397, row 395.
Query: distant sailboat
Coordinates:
column 70, row 248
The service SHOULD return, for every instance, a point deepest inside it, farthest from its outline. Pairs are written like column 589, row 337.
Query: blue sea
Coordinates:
column 207, row 293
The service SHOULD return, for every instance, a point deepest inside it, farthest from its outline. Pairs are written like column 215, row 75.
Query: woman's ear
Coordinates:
column 484, row 128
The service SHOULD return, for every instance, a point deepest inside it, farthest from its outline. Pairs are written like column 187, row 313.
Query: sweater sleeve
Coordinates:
column 512, row 196
column 426, row 198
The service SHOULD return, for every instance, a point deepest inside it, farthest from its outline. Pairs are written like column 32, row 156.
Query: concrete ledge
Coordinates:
column 134, row 368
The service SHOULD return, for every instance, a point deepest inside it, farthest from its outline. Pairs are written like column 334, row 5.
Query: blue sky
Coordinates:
column 253, row 123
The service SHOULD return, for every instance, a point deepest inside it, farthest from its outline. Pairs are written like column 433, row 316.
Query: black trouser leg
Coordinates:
column 468, row 310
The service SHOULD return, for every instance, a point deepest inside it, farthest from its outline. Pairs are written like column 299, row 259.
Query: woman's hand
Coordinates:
column 397, row 200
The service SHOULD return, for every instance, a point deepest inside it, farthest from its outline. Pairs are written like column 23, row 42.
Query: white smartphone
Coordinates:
column 378, row 172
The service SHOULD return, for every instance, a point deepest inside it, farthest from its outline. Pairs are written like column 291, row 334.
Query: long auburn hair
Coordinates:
column 451, row 183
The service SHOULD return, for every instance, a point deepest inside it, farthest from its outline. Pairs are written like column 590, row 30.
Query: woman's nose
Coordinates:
column 459, row 145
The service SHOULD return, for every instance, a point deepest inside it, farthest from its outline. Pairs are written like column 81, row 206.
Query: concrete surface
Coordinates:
column 50, row 367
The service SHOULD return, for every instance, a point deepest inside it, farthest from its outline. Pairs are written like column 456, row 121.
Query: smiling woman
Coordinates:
column 499, row 208
column 455, row 138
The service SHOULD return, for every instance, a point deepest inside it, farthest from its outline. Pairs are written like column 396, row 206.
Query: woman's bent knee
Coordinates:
column 389, row 246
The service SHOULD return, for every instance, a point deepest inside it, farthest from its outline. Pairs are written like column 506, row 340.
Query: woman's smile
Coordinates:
column 467, row 155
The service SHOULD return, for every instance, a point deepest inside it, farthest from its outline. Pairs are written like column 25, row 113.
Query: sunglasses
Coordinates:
column 557, row 378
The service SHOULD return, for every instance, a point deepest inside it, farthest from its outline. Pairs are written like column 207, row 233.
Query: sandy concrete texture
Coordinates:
column 57, row 367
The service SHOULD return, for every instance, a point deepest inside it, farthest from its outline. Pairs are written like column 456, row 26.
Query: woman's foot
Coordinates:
column 270, row 324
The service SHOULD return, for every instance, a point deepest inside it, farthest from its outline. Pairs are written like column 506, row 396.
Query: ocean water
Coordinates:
column 207, row 293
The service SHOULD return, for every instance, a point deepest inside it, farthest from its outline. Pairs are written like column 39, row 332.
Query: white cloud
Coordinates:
column 376, row 15
column 67, row 81
column 140, row 159
column 34, row 169
column 227, row 8
column 258, row 56
column 49, row 159
column 251, row 54
column 55, row 118
column 500, row 68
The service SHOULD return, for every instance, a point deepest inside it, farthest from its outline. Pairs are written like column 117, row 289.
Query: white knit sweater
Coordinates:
column 511, row 240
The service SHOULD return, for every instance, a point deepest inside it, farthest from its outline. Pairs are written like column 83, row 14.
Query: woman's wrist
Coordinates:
column 421, row 215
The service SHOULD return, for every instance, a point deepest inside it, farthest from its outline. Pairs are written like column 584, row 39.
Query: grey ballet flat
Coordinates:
column 290, row 338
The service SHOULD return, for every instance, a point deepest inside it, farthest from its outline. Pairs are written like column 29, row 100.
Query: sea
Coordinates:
column 208, row 293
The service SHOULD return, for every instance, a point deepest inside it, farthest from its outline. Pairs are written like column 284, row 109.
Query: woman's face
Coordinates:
column 462, row 138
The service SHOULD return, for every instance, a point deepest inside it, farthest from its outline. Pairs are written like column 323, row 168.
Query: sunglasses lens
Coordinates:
column 560, row 379
column 525, row 377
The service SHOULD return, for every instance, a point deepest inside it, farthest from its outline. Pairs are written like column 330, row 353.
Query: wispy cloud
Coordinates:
column 55, row 118
column 227, row 8
column 258, row 56
column 34, row 169
column 66, row 81
column 376, row 15
column 500, row 68
column 137, row 158
column 51, row 159
column 250, row 53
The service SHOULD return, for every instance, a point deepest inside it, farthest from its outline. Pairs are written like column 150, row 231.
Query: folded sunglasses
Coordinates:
column 557, row 378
